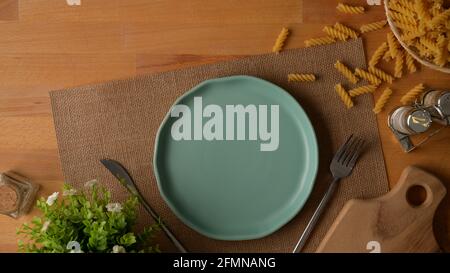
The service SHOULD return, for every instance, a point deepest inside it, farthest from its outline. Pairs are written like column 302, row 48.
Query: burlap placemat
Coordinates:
column 119, row 120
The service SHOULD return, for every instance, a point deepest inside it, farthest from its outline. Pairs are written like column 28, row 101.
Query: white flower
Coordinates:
column 91, row 183
column 114, row 207
column 52, row 198
column 45, row 226
column 74, row 247
column 69, row 192
column 118, row 249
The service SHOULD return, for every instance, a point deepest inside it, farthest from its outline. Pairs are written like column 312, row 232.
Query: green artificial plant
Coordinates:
column 86, row 221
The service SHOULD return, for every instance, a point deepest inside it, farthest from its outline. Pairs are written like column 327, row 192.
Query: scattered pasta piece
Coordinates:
column 346, row 30
column 387, row 56
column 281, row 39
column 344, row 70
column 393, row 45
column 410, row 63
column 378, row 54
column 296, row 77
column 373, row 26
column 319, row 41
column 412, row 94
column 381, row 74
column 368, row 76
column 335, row 33
column 382, row 101
column 350, row 9
column 362, row 90
column 399, row 65
column 345, row 97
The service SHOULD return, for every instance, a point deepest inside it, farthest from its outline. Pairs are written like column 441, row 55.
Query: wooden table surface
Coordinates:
column 47, row 45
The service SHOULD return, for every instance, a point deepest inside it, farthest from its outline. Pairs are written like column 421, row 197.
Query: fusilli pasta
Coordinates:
column 345, row 97
column 421, row 10
column 350, row 9
column 382, row 100
column 281, row 39
column 412, row 94
column 387, row 56
column 362, row 90
column 399, row 65
column 344, row 70
column 378, row 54
column 436, row 7
column 422, row 24
column 440, row 18
column 410, row 35
column 401, row 18
column 346, row 30
column 335, row 33
column 368, row 76
column 297, row 77
column 319, row 41
column 423, row 50
column 441, row 57
column 393, row 5
column 393, row 45
column 408, row 4
column 381, row 74
column 428, row 43
column 410, row 63
column 373, row 26
column 407, row 27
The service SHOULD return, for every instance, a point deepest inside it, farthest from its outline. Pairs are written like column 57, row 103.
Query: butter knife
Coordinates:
column 125, row 179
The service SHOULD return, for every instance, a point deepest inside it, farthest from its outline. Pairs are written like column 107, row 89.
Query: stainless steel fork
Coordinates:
column 341, row 166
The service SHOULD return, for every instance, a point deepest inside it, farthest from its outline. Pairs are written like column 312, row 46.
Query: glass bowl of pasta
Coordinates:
column 422, row 27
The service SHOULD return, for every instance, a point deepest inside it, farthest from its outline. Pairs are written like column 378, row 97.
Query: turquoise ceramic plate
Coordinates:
column 230, row 189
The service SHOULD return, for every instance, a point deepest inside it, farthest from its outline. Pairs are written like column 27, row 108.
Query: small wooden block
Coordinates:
column 388, row 223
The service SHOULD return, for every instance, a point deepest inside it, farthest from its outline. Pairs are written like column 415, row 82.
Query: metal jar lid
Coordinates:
column 444, row 103
column 418, row 121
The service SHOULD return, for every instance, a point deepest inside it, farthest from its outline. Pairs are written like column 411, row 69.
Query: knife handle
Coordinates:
column 166, row 230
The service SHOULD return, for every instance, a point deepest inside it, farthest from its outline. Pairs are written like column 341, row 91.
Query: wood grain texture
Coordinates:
column 48, row 45
column 9, row 10
column 394, row 222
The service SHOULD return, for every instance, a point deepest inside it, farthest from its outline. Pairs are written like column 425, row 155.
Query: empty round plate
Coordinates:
column 229, row 164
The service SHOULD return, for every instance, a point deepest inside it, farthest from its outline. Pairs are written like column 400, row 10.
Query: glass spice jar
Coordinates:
column 17, row 194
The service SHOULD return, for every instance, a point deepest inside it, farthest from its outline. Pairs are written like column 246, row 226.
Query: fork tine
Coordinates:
column 342, row 149
column 356, row 154
column 349, row 151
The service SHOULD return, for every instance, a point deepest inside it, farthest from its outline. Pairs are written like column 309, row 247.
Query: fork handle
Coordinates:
column 316, row 216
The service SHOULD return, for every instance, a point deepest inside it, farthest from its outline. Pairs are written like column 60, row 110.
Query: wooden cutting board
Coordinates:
column 394, row 222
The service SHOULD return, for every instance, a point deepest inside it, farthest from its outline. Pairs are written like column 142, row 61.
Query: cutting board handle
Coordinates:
column 392, row 222
column 413, row 177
